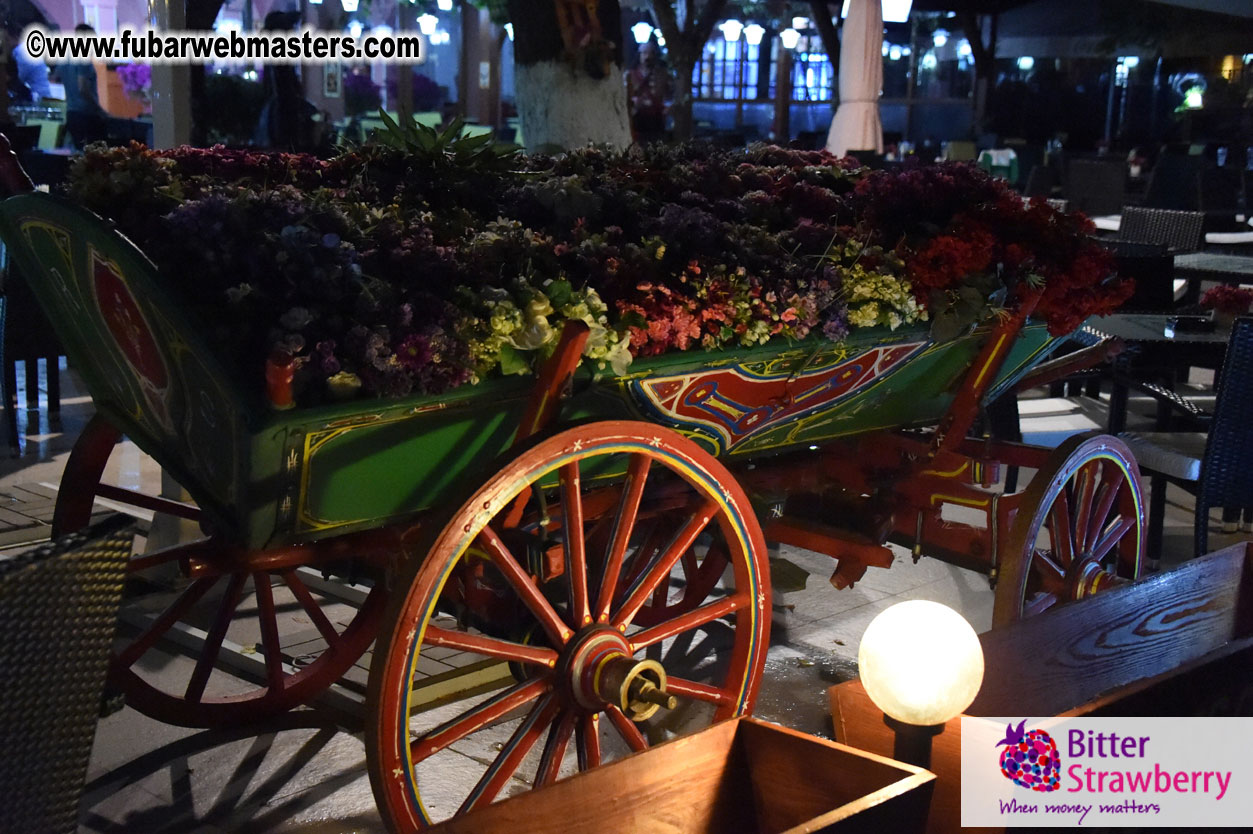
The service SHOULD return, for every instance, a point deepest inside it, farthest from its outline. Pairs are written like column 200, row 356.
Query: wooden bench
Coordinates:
column 1129, row 650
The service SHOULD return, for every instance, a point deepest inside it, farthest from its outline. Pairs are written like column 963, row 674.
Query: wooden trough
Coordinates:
column 741, row 775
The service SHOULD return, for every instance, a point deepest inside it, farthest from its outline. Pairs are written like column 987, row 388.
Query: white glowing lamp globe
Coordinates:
column 642, row 31
column 790, row 38
column 444, row 5
column 921, row 662
column 509, row 31
column 427, row 24
column 753, row 33
column 731, row 30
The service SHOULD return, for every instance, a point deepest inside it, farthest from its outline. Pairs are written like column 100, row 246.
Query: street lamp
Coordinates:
column 922, row 664
column 753, row 34
column 790, row 38
column 427, row 24
column 731, row 30
column 642, row 31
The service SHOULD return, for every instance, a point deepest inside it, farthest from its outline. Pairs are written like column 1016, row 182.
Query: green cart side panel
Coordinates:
column 145, row 366
column 768, row 400
column 362, row 464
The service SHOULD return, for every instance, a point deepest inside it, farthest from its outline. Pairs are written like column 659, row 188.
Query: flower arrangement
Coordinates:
column 136, row 81
column 429, row 262
column 1227, row 300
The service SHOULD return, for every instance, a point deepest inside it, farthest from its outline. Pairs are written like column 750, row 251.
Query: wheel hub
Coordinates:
column 1088, row 577
column 599, row 670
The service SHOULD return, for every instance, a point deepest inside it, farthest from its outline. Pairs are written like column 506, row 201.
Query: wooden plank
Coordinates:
column 1124, row 639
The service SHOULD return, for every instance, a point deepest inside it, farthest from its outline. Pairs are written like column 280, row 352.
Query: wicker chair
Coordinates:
column 58, row 611
column 1217, row 467
column 1178, row 231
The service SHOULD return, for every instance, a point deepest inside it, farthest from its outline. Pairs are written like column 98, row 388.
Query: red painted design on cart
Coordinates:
column 133, row 336
column 733, row 403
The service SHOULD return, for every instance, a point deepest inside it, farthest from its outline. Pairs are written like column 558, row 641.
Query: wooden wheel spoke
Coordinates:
column 213, row 642
column 1038, row 604
column 525, row 587
column 587, row 741
column 490, row 646
column 1112, row 481
column 1113, row 534
column 623, row 526
column 660, row 571
column 1061, row 531
column 1051, row 574
column 506, row 764
column 627, row 729
column 270, row 644
column 477, row 718
column 311, row 607
column 1084, row 488
column 555, row 749
column 178, row 552
column 163, row 623
column 575, row 551
column 698, row 691
column 691, row 620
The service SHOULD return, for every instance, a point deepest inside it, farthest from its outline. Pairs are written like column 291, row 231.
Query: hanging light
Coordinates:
column 509, row 30
column 355, row 27
column 799, row 23
column 885, row 49
column 444, row 5
column 642, row 31
column 894, row 53
column 1026, row 62
column 753, row 34
column 731, row 30
column 350, row 6
column 661, row 41
column 905, row 50
column 790, row 38
column 964, row 49
column 940, row 38
column 929, row 61
column 427, row 24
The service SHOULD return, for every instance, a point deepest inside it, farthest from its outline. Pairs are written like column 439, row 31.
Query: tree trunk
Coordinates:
column 681, row 108
column 563, row 109
column 567, row 103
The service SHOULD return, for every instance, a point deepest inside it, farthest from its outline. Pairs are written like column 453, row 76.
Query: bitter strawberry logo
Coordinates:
column 1030, row 759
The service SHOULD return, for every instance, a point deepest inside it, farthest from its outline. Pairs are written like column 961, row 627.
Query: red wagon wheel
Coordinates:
column 1080, row 528
column 569, row 651
column 226, row 595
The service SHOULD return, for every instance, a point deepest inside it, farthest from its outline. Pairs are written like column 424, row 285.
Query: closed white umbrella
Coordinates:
column 856, row 126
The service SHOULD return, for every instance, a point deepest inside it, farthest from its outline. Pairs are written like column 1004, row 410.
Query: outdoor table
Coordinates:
column 1150, row 352
column 1196, row 267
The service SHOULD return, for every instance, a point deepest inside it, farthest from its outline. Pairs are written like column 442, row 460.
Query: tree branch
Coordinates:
column 827, row 30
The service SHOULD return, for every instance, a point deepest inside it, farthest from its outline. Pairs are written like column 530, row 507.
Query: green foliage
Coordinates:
column 232, row 107
column 498, row 9
column 445, row 147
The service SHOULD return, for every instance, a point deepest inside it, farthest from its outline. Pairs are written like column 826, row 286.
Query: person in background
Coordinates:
column 32, row 72
column 85, row 120
column 648, row 88
column 289, row 121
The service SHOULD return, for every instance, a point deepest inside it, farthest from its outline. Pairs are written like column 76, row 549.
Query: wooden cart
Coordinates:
column 581, row 549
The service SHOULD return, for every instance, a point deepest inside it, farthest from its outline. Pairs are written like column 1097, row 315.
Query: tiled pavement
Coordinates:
column 305, row 772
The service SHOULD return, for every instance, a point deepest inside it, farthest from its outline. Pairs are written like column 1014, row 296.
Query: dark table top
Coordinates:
column 1212, row 266
column 1151, row 328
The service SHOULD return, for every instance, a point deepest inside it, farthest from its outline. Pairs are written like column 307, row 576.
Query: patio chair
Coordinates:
column 58, row 612
column 1216, row 467
column 1153, row 269
column 1178, row 231
column 1096, row 186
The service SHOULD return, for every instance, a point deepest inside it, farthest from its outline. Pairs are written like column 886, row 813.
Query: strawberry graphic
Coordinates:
column 1030, row 759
